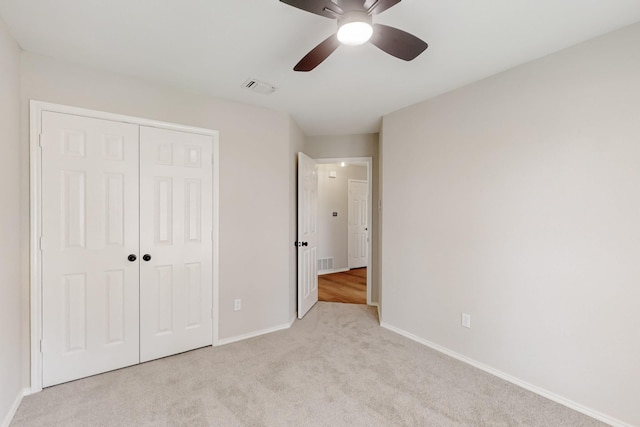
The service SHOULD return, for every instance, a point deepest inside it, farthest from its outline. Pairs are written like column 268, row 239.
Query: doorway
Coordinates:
column 344, row 212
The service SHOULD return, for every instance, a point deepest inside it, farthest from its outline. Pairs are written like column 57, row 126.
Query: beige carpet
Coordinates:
column 336, row 367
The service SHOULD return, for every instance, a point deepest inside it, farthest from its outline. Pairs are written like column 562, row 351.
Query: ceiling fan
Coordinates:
column 356, row 27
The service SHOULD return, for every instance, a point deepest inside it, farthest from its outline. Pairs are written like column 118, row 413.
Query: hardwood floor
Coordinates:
column 348, row 287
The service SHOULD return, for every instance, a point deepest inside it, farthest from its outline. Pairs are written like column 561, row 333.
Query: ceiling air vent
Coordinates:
column 258, row 86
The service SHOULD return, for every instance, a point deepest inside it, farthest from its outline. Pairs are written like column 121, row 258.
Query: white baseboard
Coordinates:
column 377, row 306
column 535, row 389
column 293, row 319
column 335, row 270
column 253, row 334
column 12, row 411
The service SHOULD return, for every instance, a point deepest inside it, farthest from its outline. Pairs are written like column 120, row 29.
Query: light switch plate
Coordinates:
column 466, row 320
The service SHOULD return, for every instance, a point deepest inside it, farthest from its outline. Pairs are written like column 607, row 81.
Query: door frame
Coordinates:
column 368, row 162
column 36, row 108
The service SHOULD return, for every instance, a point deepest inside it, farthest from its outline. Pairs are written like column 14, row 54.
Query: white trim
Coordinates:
column 254, row 334
column 36, row 108
column 377, row 306
column 520, row 383
column 35, row 126
column 368, row 161
column 41, row 106
column 335, row 270
column 216, row 238
column 14, row 408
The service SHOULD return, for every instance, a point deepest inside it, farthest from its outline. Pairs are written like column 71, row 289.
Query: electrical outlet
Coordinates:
column 237, row 304
column 466, row 320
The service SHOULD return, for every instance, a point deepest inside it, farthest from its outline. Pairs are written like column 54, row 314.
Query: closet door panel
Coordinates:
column 90, row 221
column 176, row 208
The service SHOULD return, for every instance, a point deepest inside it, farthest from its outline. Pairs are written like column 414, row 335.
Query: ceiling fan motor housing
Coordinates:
column 354, row 16
column 354, row 28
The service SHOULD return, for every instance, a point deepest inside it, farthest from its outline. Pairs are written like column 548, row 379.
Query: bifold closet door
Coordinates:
column 176, row 247
column 89, row 229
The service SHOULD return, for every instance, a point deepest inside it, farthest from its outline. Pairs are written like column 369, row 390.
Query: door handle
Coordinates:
column 305, row 243
column 146, row 257
column 132, row 257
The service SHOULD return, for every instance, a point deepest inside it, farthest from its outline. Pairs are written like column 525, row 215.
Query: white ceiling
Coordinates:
column 212, row 46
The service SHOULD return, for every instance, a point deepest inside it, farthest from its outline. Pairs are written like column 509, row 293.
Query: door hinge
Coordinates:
column 212, row 235
column 41, row 243
column 40, row 346
column 212, row 160
column 40, row 140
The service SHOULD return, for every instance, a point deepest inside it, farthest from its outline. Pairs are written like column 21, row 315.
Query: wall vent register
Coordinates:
column 325, row 264
column 259, row 86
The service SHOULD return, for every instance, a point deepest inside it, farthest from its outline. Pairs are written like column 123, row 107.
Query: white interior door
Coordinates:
column 176, row 225
column 89, row 228
column 307, row 234
column 358, row 227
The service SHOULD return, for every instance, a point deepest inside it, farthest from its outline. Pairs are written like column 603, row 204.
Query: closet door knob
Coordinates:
column 146, row 257
column 132, row 257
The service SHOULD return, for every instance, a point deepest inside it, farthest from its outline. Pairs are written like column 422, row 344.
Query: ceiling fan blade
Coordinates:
column 397, row 42
column 318, row 54
column 325, row 8
column 380, row 6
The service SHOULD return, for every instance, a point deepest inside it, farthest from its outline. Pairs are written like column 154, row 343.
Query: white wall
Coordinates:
column 11, row 352
column 517, row 199
column 361, row 145
column 333, row 196
column 255, row 173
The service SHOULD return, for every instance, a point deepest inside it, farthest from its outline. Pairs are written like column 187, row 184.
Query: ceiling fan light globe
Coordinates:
column 355, row 33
